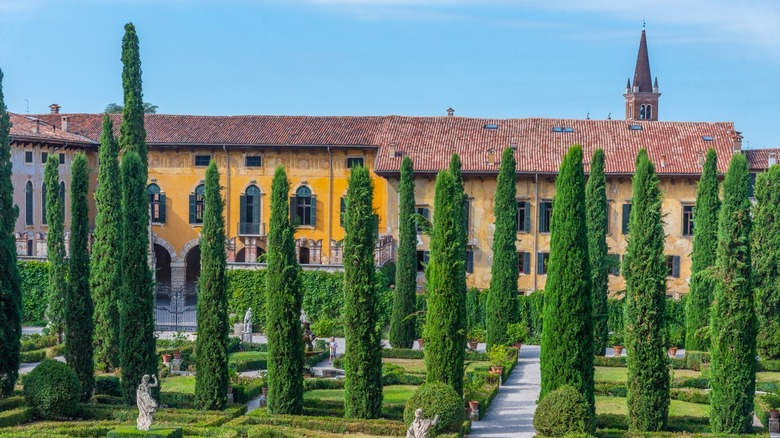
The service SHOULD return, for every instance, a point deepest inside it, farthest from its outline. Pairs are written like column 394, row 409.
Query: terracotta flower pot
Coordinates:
column 496, row 370
column 166, row 358
column 672, row 352
column 473, row 405
column 421, row 342
column 618, row 350
column 518, row 345
column 177, row 354
column 774, row 414
column 473, row 345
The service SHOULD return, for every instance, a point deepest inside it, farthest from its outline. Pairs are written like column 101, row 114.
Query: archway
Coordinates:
column 303, row 255
column 241, row 255
column 192, row 262
column 162, row 263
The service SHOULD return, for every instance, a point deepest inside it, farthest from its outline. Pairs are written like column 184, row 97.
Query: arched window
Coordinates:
column 303, row 207
column 250, row 212
column 43, row 203
column 196, row 205
column 156, row 203
column 62, row 198
column 642, row 112
column 649, row 112
column 28, row 203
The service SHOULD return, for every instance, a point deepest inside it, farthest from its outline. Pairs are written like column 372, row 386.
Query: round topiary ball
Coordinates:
column 436, row 399
column 52, row 389
column 562, row 412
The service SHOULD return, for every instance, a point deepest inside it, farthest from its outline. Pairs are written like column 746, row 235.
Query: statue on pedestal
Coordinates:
column 308, row 337
column 145, row 402
column 246, row 335
column 420, row 426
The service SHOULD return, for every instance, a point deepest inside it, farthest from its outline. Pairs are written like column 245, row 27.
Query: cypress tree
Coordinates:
column 10, row 288
column 402, row 323
column 500, row 309
column 567, row 334
column 283, row 306
column 445, row 327
column 136, row 306
column 78, row 304
column 733, row 350
column 363, row 359
column 105, row 280
column 55, row 247
column 211, row 380
column 705, row 242
column 766, row 262
column 644, row 268
column 132, row 133
column 596, row 219
column 460, row 197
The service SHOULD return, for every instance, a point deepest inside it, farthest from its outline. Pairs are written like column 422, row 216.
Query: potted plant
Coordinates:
column 471, row 390
column 178, row 339
column 616, row 339
column 497, row 356
column 166, row 358
column 476, row 335
column 773, row 400
column 517, row 334
column 676, row 338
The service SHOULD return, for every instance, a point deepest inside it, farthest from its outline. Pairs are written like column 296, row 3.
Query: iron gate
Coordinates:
column 175, row 308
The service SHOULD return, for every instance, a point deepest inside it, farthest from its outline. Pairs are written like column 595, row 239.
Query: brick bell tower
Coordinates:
column 642, row 96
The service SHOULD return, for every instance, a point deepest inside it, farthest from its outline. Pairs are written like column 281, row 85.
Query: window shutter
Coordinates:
column 526, row 262
column 192, row 208
column 162, row 208
column 426, row 213
column 470, row 262
column 313, row 215
column 626, row 217
column 29, row 205
column 542, row 218
column 539, row 263
column 294, row 210
column 676, row 267
column 527, row 222
column 256, row 209
column 242, row 209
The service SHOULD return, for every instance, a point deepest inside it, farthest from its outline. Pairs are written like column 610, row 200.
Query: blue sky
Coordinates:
column 716, row 60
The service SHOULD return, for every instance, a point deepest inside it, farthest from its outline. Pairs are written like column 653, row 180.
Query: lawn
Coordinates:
column 617, row 405
column 616, row 374
column 247, row 355
column 417, row 366
column 392, row 395
column 183, row 384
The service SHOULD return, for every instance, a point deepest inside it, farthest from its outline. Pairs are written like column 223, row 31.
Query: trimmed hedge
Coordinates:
column 318, row 383
column 249, row 362
column 33, row 356
column 55, row 351
column 563, row 411
column 107, row 399
column 243, row 393
column 52, row 389
column 768, row 365
column 37, row 342
column 696, row 359
column 6, row 404
column 154, row 432
column 16, row 416
column 691, row 382
column 612, row 362
column 323, row 424
column 108, row 385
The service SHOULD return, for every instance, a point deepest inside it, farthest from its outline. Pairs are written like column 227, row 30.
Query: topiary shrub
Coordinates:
column 562, row 412
column 52, row 389
column 108, row 385
column 440, row 399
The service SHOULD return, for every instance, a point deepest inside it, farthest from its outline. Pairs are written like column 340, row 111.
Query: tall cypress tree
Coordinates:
column 285, row 298
column 78, row 304
column 705, row 242
column 105, row 272
column 211, row 380
column 55, row 247
column 10, row 288
column 445, row 327
column 363, row 359
column 132, row 133
column 136, row 306
column 766, row 262
column 644, row 268
column 567, row 334
column 733, row 351
column 402, row 323
column 500, row 307
column 596, row 219
column 460, row 197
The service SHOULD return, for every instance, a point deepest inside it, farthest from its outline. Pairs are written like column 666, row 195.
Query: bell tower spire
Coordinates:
column 642, row 96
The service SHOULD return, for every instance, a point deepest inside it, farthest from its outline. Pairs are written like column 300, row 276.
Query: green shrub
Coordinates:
column 612, row 389
column 34, row 278
column 107, row 399
column 563, row 411
column 695, row 359
column 310, row 384
column 156, row 432
column 52, row 389
column 691, row 382
column 108, row 385
column 768, row 365
column 402, row 353
column 691, row 395
column 33, row 356
column 325, row 327
column 36, row 342
column 16, row 416
column 6, row 404
column 436, row 399
column 55, row 351
column 614, row 362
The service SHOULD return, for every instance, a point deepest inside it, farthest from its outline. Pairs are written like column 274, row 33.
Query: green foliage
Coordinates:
column 34, row 277
column 459, row 197
column 674, row 318
column 211, row 380
column 501, row 307
column 497, row 354
column 285, row 296
column 532, row 311
column 363, row 361
column 766, row 262
column 705, row 239
column 644, row 268
column 445, row 336
column 402, row 324
column 596, row 216
column 105, row 275
column 562, row 412
column 108, row 385
column 16, row 416
column 516, row 332
column 78, row 303
column 436, row 398
column 156, row 432
column 136, row 305
column 567, row 337
column 616, row 309
column 475, row 308
column 733, row 350
column 52, row 389
column 132, row 133
column 55, row 247
column 10, row 288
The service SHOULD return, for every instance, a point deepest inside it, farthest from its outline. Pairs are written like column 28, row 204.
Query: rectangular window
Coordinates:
column 253, row 161
column 542, row 258
column 28, row 156
column 62, row 158
column 545, row 216
column 44, row 157
column 422, row 260
column 626, row 217
column 613, row 264
column 469, row 262
column 524, row 262
column 673, row 266
column 202, row 160
column 424, row 214
column 303, row 210
column 29, row 248
column 523, row 216
column 687, row 220
column 354, row 161
column 157, row 206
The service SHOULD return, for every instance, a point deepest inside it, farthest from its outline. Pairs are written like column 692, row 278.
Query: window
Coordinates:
column 687, row 220
column 524, row 262
column 422, row 260
column 642, row 112
column 490, row 126
column 43, row 203
column 613, row 264
column 469, row 262
column 28, row 156
column 545, row 215
column 62, row 158
column 44, row 157
column 202, row 160
column 635, row 127
column 542, row 258
column 523, row 216
column 62, row 198
column 29, row 247
column 626, row 217
column 196, row 205
column 250, row 211
column 303, row 207
column 253, row 161
column 156, row 203
column 28, row 203
column 673, row 266
column 707, row 138
column 425, row 213
column 354, row 161
column 649, row 112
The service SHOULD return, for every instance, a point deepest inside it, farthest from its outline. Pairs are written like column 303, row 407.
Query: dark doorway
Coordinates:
column 162, row 262
column 193, row 265
column 303, row 255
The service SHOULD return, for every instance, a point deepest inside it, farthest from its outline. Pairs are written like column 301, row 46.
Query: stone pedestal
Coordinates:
column 238, row 329
column 774, row 425
column 474, row 415
column 176, row 366
column 155, row 432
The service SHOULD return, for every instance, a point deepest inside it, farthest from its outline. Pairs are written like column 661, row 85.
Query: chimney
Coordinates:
column 701, row 158
column 65, row 123
column 736, row 142
column 55, row 109
column 37, row 126
column 663, row 160
column 772, row 159
column 492, row 157
column 450, row 112
column 391, row 150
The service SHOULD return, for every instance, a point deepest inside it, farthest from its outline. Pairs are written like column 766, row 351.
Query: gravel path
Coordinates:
column 512, row 411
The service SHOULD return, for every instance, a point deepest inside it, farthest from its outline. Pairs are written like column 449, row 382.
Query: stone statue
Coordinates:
column 248, row 318
column 308, row 337
column 145, row 402
column 246, row 335
column 420, row 426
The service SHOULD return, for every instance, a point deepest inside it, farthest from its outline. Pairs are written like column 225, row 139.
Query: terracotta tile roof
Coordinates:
column 28, row 128
column 431, row 141
column 758, row 159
